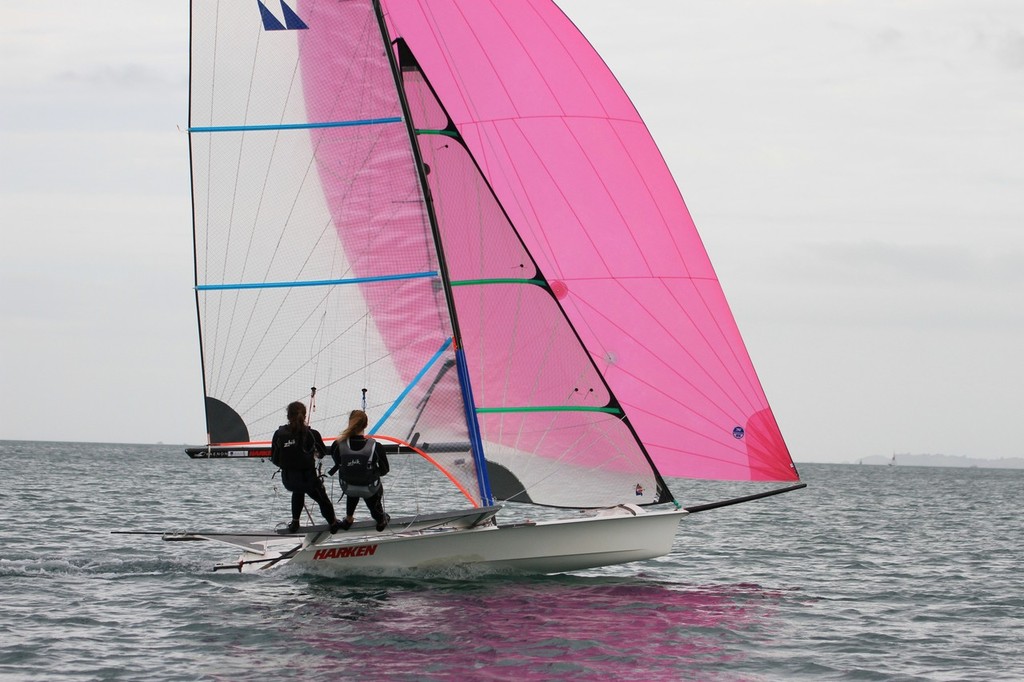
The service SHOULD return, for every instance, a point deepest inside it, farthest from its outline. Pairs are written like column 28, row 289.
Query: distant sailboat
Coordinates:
column 454, row 203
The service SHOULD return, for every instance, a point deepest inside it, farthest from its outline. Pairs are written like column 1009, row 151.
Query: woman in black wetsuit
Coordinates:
column 361, row 461
column 293, row 448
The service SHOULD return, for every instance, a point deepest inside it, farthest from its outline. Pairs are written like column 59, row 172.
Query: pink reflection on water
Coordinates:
column 540, row 630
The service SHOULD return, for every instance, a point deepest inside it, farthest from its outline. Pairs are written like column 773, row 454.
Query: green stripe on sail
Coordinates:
column 448, row 133
column 549, row 408
column 497, row 280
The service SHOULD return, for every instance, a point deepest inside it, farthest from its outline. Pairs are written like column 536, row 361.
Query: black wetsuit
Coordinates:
column 295, row 456
column 362, row 468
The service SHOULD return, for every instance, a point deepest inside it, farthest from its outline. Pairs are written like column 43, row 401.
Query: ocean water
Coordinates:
column 871, row 573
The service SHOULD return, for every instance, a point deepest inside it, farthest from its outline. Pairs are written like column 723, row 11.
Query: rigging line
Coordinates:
column 451, row 477
column 281, row 349
column 231, row 215
column 326, row 226
column 295, row 126
column 256, row 220
column 316, row 282
column 256, row 351
column 291, row 211
column 422, row 405
column 316, row 341
column 210, row 343
column 415, row 380
column 318, row 138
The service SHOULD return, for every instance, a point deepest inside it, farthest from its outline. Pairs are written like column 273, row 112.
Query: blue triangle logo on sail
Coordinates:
column 292, row 22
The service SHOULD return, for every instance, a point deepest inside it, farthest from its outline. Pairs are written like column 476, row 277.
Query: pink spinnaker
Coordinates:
column 583, row 182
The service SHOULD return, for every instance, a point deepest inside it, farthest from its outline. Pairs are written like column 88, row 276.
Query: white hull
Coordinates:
column 612, row 536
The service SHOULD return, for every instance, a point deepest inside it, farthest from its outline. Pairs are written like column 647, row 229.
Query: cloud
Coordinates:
column 120, row 77
column 1010, row 49
column 926, row 265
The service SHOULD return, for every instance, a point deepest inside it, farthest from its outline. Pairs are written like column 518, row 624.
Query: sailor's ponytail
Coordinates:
column 357, row 422
column 296, row 417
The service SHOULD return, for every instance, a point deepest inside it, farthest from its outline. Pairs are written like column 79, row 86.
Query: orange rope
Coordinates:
column 432, row 461
column 399, row 441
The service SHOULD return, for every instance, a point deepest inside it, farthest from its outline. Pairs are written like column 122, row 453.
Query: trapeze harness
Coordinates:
column 358, row 469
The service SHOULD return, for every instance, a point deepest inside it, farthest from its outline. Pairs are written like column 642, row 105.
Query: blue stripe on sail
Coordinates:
column 416, row 379
column 314, row 283
column 295, row 126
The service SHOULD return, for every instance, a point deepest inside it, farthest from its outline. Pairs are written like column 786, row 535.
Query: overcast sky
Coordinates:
column 855, row 168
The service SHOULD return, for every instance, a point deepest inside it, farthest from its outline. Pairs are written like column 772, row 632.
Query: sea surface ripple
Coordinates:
column 871, row 573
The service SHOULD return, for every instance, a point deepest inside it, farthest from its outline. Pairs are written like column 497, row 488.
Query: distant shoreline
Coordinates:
column 901, row 459
column 953, row 461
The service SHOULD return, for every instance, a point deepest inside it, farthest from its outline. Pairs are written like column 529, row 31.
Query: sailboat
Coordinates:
column 450, row 212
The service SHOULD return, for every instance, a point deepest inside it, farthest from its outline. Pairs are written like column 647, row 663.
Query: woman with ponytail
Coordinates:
column 361, row 461
column 293, row 448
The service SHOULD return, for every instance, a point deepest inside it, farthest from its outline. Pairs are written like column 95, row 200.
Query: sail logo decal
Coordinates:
column 292, row 22
column 344, row 552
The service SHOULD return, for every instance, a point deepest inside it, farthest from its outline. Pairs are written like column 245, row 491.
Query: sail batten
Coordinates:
column 293, row 126
column 316, row 283
column 498, row 280
column 547, row 408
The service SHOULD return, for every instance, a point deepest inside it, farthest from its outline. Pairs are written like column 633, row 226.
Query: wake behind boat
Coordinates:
column 450, row 211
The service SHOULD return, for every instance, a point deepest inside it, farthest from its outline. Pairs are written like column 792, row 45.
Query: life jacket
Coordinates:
column 357, row 467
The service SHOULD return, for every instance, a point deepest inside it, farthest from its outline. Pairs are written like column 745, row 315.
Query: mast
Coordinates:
column 476, row 442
